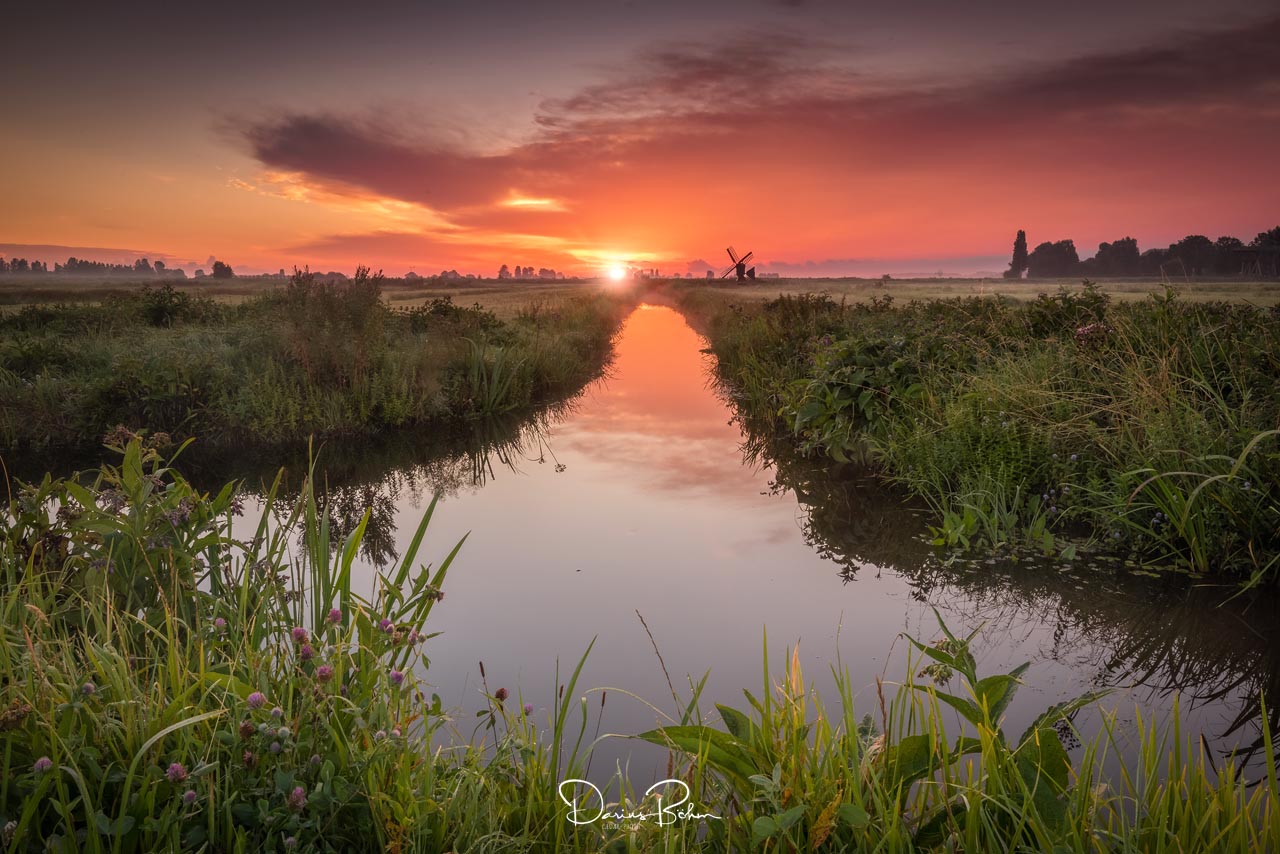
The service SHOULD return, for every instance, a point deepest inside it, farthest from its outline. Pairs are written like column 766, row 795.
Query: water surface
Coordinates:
column 645, row 497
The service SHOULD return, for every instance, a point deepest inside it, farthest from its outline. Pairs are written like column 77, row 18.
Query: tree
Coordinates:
column 1267, row 238
column 142, row 265
column 159, row 265
column 1120, row 258
column 504, row 272
column 222, row 271
column 1196, row 253
column 1018, row 265
column 1226, row 259
column 1053, row 260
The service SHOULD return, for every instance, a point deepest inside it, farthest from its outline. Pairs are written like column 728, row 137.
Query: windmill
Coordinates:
column 739, row 266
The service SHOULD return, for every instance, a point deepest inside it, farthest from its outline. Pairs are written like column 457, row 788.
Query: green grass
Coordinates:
column 166, row 686
column 1072, row 421
column 307, row 359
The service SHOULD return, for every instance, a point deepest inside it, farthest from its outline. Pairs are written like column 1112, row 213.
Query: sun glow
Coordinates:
column 616, row 272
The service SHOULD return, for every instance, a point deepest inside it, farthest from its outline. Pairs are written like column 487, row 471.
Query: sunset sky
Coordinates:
column 830, row 137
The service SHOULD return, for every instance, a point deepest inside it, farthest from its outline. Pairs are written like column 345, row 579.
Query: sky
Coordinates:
column 831, row 138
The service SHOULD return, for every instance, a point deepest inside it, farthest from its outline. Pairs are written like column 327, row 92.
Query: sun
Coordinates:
column 616, row 272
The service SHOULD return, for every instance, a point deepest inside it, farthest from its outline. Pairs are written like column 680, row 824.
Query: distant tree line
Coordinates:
column 1194, row 255
column 140, row 267
column 506, row 272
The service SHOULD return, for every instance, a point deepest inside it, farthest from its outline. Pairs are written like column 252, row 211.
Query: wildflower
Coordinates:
column 176, row 772
column 335, row 616
column 298, row 799
column 264, row 729
column 1247, row 486
column 315, row 759
column 528, row 708
column 299, row 634
column 1053, row 456
column 380, row 735
column 387, row 626
column 237, row 506
column 277, row 712
column 43, row 764
column 189, row 797
column 276, row 747
column 500, row 695
column 324, row 673
column 397, row 677
column 257, row 700
column 307, row 652
column 290, row 843
column 250, row 759
column 1075, row 457
column 284, row 732
column 395, row 733
column 88, row 689
column 220, row 624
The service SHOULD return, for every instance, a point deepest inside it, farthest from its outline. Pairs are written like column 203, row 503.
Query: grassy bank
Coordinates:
column 308, row 359
column 164, row 685
column 1144, row 428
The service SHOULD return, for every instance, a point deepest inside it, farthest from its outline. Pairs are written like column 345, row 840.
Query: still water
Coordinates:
column 644, row 497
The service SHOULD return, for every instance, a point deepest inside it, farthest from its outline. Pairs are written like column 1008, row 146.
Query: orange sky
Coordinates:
column 655, row 141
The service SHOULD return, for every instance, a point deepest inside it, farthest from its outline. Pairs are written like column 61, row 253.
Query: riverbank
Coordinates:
column 307, row 360
column 1144, row 430
column 165, row 685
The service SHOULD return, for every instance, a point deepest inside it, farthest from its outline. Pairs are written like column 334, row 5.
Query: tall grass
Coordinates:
column 1144, row 428
column 165, row 685
column 311, row 359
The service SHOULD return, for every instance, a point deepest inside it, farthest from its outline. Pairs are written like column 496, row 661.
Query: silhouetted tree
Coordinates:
column 1226, row 260
column 1267, row 238
column 142, row 265
column 222, row 271
column 159, row 265
column 1151, row 262
column 504, row 272
column 1196, row 253
column 1053, row 259
column 1018, row 265
column 1120, row 258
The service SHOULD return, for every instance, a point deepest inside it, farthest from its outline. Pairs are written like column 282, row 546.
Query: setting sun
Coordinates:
column 616, row 272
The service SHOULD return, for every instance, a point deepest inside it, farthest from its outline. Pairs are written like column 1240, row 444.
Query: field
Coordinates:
column 505, row 298
column 1146, row 428
column 282, row 363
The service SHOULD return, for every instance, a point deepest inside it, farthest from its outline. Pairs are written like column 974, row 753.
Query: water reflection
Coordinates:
column 1217, row 651
column 636, row 498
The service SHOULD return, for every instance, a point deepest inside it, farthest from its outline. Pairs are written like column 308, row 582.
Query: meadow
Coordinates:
column 1144, row 428
column 166, row 686
column 283, row 364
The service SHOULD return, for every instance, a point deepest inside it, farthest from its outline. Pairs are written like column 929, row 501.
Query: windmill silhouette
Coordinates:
column 739, row 266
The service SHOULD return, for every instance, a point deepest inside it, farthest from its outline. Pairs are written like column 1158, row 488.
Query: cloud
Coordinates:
column 691, row 146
